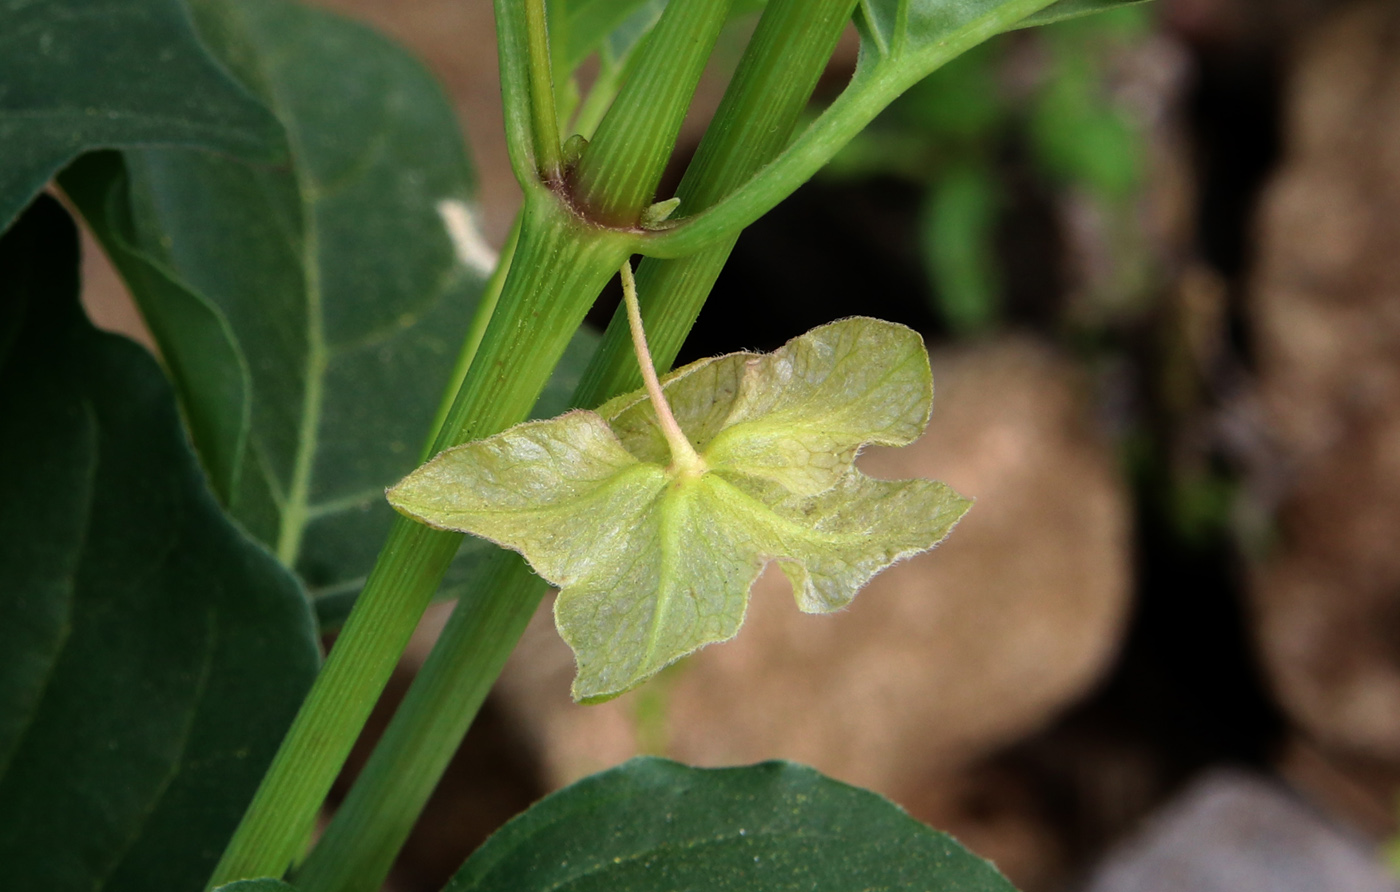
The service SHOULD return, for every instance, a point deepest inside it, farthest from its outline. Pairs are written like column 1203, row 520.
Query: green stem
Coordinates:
column 543, row 120
column 358, row 848
column 517, row 99
column 786, row 56
column 754, row 122
column 879, row 80
column 561, row 265
column 284, row 808
column 481, row 318
column 619, row 172
column 683, row 455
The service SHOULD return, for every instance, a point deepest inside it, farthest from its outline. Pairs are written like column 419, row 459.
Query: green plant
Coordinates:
column 276, row 187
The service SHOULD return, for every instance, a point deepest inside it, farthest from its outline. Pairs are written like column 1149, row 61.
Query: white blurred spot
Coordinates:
column 472, row 249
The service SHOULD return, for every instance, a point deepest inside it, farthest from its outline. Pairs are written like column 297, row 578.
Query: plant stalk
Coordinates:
column 753, row 124
column 560, row 265
column 543, row 115
column 485, row 309
column 618, row 174
column 765, row 99
column 683, row 455
column 360, row 846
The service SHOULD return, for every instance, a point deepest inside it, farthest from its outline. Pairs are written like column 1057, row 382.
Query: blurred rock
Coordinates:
column 1241, row 23
column 1355, row 791
column 940, row 658
column 1235, row 832
column 1325, row 316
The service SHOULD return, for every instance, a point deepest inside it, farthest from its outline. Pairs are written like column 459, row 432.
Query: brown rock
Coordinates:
column 1326, row 317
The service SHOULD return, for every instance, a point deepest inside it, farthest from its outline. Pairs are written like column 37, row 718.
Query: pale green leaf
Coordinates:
column 796, row 416
column 654, row 563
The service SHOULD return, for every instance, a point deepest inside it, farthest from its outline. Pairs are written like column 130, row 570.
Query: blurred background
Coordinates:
column 1156, row 257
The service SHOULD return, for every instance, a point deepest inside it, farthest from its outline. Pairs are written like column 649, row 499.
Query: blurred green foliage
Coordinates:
column 1048, row 93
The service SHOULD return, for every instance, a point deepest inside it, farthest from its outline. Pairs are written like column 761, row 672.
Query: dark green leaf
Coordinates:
column 266, row 884
column 151, row 655
column 82, row 74
column 311, row 315
column 201, row 353
column 652, row 824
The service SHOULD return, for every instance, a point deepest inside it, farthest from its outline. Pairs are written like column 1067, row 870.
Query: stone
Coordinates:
column 1325, row 319
column 1235, row 832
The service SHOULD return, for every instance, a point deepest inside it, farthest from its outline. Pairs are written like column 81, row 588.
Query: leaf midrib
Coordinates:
column 295, row 513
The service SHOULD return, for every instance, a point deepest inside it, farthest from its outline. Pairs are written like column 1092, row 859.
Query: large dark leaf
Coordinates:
column 654, row 825
column 151, row 656
column 311, row 314
column 82, row 74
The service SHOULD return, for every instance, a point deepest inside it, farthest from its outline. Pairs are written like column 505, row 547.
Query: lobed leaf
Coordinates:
column 151, row 654
column 653, row 824
column 795, row 416
column 655, row 563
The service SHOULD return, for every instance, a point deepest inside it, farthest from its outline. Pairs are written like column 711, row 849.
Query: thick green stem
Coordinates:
column 771, row 87
column 752, row 125
column 284, row 808
column 560, row 266
column 485, row 309
column 618, row 174
column 518, row 73
column 360, row 845
column 543, row 118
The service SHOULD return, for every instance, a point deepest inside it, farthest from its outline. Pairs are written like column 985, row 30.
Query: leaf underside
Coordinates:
column 653, row 563
column 151, row 655
column 653, row 824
